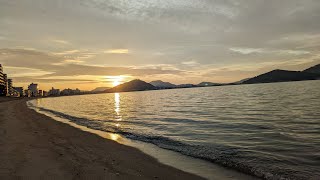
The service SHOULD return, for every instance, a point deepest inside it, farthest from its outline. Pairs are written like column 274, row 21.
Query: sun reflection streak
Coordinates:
column 117, row 107
column 38, row 101
column 117, row 103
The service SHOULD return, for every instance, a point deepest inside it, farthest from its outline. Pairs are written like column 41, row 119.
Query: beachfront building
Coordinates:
column 6, row 84
column 68, row 92
column 18, row 91
column 40, row 93
column 9, row 87
column 45, row 93
column 54, row 92
column 27, row 93
column 3, row 82
column 77, row 91
column 33, row 88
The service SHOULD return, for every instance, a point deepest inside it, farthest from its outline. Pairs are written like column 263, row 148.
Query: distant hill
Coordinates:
column 100, row 89
column 186, row 85
column 282, row 76
column 161, row 84
column 134, row 85
column 277, row 75
column 314, row 69
column 167, row 85
column 241, row 81
column 204, row 84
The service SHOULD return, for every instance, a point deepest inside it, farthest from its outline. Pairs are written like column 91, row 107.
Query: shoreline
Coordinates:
column 33, row 146
column 171, row 158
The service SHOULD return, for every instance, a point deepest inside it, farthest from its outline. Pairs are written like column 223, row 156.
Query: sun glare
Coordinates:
column 116, row 80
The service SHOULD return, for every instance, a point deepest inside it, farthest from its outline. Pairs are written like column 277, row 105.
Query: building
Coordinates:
column 19, row 91
column 6, row 84
column 2, row 82
column 45, row 93
column 9, row 87
column 40, row 93
column 68, row 92
column 54, row 92
column 27, row 93
column 33, row 88
column 77, row 91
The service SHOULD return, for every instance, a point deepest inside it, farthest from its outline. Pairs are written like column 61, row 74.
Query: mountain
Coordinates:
column 134, row 85
column 282, row 76
column 167, row 85
column 314, row 69
column 204, row 84
column 100, row 89
column 161, row 84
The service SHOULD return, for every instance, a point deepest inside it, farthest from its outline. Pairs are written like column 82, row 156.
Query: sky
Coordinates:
column 99, row 43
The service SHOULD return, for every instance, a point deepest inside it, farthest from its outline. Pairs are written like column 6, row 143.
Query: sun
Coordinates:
column 116, row 82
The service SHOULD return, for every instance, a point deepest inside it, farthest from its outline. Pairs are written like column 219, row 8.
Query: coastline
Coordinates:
column 33, row 146
column 171, row 158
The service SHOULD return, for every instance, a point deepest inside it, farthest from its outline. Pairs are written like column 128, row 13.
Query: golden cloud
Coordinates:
column 117, row 51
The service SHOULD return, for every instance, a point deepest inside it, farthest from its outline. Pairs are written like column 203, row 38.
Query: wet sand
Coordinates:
column 33, row 146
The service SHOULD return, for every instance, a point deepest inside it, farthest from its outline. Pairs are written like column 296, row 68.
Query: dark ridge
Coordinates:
column 186, row 86
column 134, row 85
column 161, row 84
column 282, row 76
column 240, row 82
column 100, row 89
column 204, row 84
column 314, row 69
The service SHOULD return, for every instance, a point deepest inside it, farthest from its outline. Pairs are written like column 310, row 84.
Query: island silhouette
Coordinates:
column 277, row 75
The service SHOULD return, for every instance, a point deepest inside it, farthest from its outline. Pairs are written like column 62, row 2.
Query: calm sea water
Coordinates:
column 267, row 130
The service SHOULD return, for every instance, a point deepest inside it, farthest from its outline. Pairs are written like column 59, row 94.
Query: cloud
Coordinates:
column 53, row 65
column 295, row 52
column 78, row 69
column 24, row 71
column 117, row 51
column 69, row 61
column 60, row 41
column 28, row 58
column 76, row 54
column 190, row 63
column 68, row 52
column 246, row 50
column 29, row 79
column 273, row 51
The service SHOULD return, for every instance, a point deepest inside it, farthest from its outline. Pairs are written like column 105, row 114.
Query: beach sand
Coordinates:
column 33, row 146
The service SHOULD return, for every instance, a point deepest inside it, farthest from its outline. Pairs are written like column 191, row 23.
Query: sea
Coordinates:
column 270, row 131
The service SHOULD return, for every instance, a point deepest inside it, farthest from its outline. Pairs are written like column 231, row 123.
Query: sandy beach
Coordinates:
column 33, row 146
